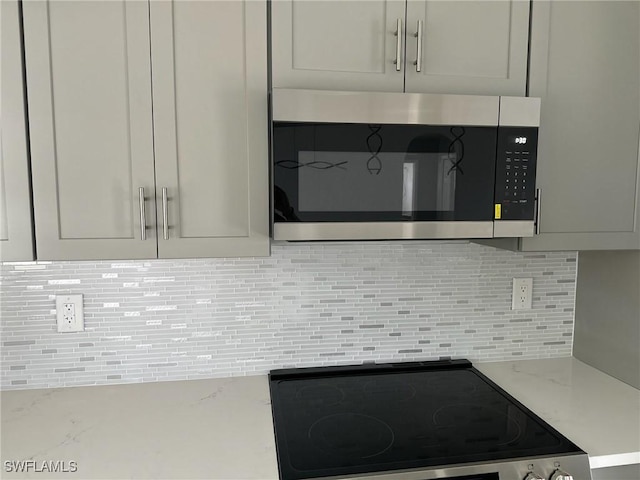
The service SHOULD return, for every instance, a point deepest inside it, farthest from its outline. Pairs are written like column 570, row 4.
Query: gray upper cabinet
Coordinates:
column 16, row 241
column 98, row 176
column 89, row 95
column 338, row 44
column 210, row 124
column 585, row 65
column 468, row 47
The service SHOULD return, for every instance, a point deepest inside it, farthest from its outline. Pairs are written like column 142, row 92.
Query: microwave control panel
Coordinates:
column 516, row 173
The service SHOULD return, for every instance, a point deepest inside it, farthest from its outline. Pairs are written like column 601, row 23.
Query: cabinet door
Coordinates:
column 337, row 45
column 16, row 241
column 585, row 65
column 89, row 96
column 469, row 47
column 210, row 122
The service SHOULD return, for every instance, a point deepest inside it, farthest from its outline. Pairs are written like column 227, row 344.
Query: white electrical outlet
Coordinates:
column 69, row 313
column 522, row 291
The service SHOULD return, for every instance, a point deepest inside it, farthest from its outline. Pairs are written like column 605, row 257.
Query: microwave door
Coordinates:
column 353, row 181
column 359, row 180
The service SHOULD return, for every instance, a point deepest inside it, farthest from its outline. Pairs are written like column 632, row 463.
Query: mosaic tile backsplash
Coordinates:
column 307, row 304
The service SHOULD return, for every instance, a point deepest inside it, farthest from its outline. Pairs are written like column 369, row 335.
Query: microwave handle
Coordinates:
column 398, row 34
column 538, row 204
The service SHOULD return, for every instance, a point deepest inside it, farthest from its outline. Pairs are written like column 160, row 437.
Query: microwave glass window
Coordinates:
column 406, row 182
column 355, row 172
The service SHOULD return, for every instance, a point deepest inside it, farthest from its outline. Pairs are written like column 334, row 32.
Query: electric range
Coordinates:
column 412, row 421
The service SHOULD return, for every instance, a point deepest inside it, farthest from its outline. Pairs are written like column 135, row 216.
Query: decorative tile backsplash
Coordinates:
column 307, row 304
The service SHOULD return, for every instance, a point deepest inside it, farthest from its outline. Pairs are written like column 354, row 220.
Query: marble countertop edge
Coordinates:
column 614, row 460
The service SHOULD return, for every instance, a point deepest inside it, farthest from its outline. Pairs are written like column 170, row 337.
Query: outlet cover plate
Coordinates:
column 521, row 295
column 69, row 313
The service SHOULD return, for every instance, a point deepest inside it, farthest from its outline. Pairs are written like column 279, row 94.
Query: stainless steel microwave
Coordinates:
column 380, row 166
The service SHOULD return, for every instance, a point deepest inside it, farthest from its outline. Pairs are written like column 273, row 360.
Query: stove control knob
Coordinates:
column 533, row 476
column 560, row 475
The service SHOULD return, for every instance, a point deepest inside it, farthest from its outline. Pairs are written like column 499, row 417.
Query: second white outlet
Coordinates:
column 69, row 313
column 522, row 291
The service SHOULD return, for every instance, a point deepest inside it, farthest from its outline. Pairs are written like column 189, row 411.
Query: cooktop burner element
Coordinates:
column 358, row 420
column 476, row 423
column 351, row 435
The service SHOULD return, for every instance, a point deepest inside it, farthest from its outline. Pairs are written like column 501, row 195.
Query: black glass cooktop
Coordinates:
column 368, row 418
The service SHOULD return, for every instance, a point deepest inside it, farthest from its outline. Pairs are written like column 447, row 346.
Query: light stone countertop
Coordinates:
column 221, row 428
column 214, row 429
column 597, row 412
